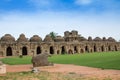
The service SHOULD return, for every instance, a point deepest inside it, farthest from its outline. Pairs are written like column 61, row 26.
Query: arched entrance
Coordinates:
column 63, row 50
column 75, row 50
column 81, row 51
column 91, row 50
column 51, row 50
column 24, row 51
column 109, row 48
column 86, row 49
column 116, row 48
column 95, row 49
column 9, row 51
column 58, row 52
column 102, row 48
column 38, row 50
column 70, row 52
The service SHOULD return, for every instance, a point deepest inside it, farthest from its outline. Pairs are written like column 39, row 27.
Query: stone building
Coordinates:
column 70, row 43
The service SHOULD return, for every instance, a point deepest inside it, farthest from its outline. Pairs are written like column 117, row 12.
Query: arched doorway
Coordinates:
column 24, row 51
column 116, row 48
column 91, row 50
column 51, row 50
column 95, row 49
column 102, row 48
column 81, row 51
column 38, row 50
column 58, row 52
column 86, row 49
column 109, row 48
column 75, row 50
column 70, row 52
column 9, row 51
column 63, row 50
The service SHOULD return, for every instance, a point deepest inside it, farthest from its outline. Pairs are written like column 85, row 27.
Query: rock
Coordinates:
column 35, row 70
column 41, row 60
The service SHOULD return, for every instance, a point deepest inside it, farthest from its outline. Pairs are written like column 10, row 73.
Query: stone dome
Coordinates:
column 83, row 38
column 89, row 38
column 104, row 39
column 22, row 38
column 97, row 39
column 7, row 38
column 59, row 39
column 111, row 39
column 35, row 38
column 48, row 38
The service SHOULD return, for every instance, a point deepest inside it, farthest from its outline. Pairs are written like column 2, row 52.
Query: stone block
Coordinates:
column 2, row 69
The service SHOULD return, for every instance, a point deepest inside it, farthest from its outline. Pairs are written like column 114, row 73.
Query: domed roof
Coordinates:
column 74, row 31
column 111, row 39
column 48, row 38
column 97, row 39
column 35, row 38
column 59, row 39
column 22, row 38
column 89, row 38
column 104, row 39
column 8, row 38
column 83, row 38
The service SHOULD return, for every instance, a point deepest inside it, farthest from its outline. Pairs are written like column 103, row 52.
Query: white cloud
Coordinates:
column 43, row 23
column 83, row 2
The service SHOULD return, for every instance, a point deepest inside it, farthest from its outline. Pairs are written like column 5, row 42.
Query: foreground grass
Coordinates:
column 104, row 60
column 48, row 76
column 17, row 60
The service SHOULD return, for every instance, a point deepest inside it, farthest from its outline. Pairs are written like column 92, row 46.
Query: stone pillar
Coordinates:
column 2, row 68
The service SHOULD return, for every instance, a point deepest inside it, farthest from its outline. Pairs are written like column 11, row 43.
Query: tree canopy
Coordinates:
column 53, row 35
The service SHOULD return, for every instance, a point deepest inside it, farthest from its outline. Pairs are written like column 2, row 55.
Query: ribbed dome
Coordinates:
column 97, row 39
column 111, row 39
column 59, row 39
column 35, row 38
column 8, row 38
column 48, row 38
column 22, row 38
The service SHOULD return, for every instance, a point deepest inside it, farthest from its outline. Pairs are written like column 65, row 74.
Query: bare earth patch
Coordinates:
column 65, row 68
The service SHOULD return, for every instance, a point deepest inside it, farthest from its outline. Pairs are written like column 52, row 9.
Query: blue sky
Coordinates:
column 89, row 17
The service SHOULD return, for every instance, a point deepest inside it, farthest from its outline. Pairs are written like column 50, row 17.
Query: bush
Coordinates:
column 20, row 56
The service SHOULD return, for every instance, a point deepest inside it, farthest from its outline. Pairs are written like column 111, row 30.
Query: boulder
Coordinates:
column 41, row 60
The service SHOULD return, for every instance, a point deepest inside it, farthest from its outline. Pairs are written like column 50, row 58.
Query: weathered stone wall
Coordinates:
column 71, row 43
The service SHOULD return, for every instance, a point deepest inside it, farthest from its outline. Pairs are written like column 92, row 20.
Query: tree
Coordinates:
column 53, row 35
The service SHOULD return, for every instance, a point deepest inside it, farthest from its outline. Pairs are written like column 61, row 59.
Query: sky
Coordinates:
column 40, row 17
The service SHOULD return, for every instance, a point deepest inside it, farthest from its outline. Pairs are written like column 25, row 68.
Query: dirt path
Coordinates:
column 82, row 70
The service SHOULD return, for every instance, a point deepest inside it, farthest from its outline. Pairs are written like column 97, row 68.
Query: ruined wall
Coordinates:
column 71, row 43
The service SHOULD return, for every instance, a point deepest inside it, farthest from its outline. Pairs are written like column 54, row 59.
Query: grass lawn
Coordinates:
column 17, row 60
column 104, row 60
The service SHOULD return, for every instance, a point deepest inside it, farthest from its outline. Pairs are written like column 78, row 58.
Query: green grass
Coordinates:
column 103, row 60
column 17, row 60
